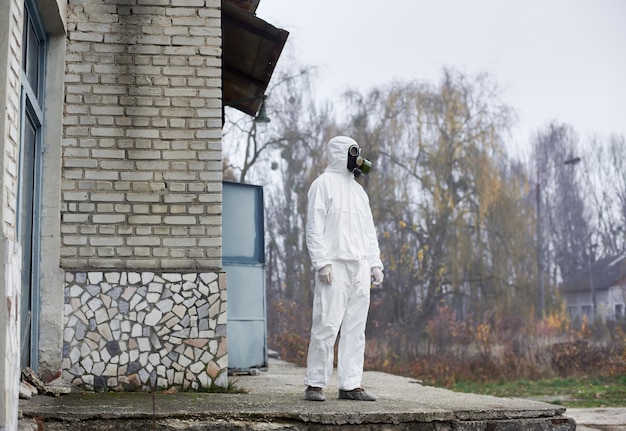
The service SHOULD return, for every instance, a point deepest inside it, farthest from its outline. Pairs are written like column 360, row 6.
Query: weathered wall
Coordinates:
column 141, row 195
column 11, row 22
column 50, row 343
column 141, row 185
column 11, row 13
column 616, row 301
column 580, row 303
column 133, row 331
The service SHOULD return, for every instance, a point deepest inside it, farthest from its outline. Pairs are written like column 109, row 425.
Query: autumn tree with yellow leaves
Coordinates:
column 453, row 215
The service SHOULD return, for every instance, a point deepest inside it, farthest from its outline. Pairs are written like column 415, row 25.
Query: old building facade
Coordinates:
column 597, row 292
column 112, row 194
column 32, row 52
column 141, row 195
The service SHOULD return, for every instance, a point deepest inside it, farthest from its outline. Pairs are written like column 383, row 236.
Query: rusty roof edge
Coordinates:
column 239, row 18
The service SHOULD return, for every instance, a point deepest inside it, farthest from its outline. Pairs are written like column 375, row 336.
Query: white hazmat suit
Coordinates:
column 342, row 243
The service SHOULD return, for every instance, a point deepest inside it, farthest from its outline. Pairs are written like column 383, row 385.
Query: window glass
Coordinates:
column 32, row 72
column 242, row 223
column 31, row 54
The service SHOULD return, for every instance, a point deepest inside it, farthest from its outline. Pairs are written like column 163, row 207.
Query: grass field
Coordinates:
column 569, row 392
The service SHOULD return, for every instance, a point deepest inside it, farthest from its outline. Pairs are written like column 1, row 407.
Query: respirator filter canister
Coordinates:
column 356, row 163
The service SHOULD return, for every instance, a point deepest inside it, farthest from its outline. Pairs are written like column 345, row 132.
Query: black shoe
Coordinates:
column 357, row 394
column 314, row 394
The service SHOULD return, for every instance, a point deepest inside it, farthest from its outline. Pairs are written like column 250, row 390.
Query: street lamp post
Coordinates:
column 594, row 303
column 539, row 251
column 540, row 263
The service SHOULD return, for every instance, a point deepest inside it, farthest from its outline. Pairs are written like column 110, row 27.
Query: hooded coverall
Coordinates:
column 340, row 232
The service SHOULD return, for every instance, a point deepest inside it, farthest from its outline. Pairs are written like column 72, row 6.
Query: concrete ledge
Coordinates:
column 274, row 401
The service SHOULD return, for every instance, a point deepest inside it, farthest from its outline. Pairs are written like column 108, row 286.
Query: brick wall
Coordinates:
column 141, row 176
column 11, row 16
column 10, row 124
column 141, row 203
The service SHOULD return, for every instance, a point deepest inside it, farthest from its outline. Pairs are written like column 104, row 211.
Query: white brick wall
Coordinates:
column 9, row 124
column 141, row 181
column 11, row 17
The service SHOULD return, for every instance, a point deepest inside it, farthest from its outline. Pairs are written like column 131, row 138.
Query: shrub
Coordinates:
column 449, row 350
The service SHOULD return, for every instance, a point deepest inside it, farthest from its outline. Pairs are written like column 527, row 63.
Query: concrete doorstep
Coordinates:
column 274, row 400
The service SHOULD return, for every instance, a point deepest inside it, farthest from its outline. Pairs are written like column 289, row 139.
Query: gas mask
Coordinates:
column 357, row 164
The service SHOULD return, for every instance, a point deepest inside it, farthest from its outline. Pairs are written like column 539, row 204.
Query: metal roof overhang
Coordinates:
column 251, row 47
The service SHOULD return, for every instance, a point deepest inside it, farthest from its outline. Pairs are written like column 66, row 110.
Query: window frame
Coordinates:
column 32, row 103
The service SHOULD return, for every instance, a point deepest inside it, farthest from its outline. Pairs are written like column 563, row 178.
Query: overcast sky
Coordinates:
column 562, row 60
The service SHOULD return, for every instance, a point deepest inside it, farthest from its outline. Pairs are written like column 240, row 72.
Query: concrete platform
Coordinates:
column 274, row 401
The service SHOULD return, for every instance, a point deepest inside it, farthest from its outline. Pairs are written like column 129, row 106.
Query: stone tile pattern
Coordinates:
column 142, row 136
column 128, row 331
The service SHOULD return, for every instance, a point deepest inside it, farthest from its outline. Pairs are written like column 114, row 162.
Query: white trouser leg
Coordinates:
column 343, row 305
column 329, row 305
column 352, row 339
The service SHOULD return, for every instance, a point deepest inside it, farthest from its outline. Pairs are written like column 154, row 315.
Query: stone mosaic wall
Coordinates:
column 137, row 330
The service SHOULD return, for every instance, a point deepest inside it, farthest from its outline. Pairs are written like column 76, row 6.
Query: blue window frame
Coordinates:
column 34, row 47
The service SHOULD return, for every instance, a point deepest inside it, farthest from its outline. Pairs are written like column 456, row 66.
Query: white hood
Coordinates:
column 338, row 153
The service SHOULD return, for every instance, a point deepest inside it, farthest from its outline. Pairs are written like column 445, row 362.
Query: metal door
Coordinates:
column 243, row 256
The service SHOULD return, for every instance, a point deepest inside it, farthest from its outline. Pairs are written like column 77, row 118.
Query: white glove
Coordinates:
column 326, row 274
column 378, row 275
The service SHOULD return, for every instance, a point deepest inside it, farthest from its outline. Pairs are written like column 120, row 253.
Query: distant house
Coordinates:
column 603, row 284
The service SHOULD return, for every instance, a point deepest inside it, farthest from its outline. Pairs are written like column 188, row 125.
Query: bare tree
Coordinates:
column 604, row 167
column 563, row 219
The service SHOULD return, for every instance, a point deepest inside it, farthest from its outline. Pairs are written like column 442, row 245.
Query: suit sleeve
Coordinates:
column 373, row 250
column 316, row 225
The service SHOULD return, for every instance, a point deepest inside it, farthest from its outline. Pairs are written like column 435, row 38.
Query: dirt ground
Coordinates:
column 599, row 419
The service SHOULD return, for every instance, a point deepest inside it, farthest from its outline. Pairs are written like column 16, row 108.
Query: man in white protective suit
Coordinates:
column 342, row 243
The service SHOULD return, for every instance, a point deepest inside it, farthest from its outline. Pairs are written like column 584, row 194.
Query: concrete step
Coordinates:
column 274, row 400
